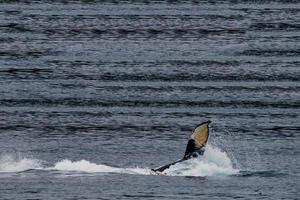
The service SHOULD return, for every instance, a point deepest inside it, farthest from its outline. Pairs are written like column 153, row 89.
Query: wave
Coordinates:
column 214, row 162
column 242, row 103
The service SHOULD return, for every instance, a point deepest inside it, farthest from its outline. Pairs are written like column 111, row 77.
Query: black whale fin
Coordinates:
column 197, row 140
column 195, row 145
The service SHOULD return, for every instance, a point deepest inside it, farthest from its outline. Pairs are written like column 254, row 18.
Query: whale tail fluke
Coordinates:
column 195, row 145
column 197, row 140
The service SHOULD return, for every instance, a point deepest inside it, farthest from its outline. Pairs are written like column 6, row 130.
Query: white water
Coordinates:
column 214, row 162
column 9, row 163
column 86, row 166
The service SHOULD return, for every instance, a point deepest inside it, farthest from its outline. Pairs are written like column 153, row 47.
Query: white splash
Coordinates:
column 86, row 166
column 214, row 162
column 9, row 163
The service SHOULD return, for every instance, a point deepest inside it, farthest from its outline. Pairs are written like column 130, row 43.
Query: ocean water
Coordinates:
column 95, row 94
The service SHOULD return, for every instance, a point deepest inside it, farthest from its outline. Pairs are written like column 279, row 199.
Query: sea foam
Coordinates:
column 10, row 163
column 214, row 162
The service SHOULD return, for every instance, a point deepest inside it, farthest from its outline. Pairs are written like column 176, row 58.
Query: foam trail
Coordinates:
column 86, row 166
column 214, row 162
column 9, row 163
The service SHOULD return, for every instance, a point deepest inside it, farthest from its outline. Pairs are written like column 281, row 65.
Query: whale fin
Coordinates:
column 197, row 140
column 194, row 147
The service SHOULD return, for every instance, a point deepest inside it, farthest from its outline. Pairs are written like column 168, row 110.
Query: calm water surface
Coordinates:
column 87, row 85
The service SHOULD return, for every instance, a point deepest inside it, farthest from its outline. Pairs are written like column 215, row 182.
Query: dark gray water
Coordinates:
column 86, row 86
